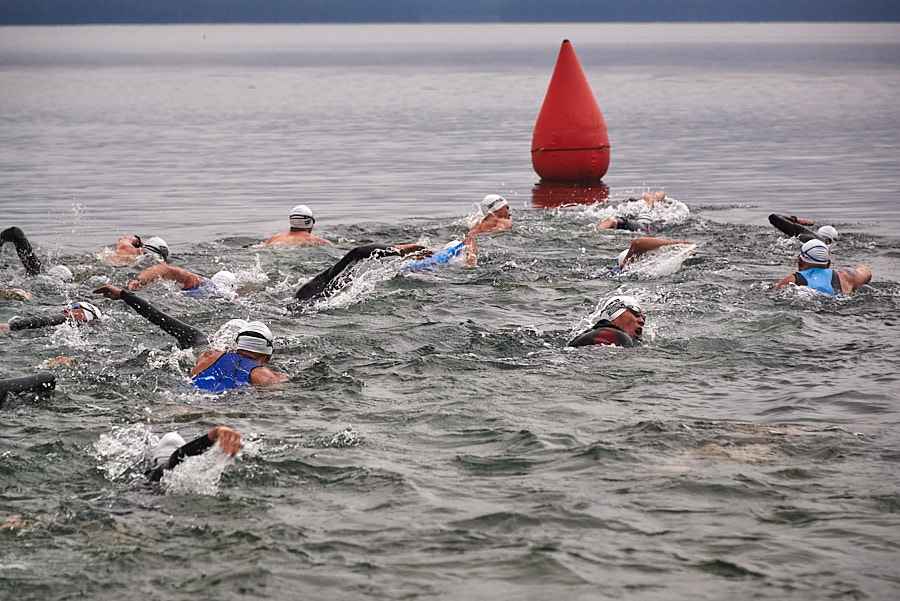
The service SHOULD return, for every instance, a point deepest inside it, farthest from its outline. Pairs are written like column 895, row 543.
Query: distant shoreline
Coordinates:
column 247, row 12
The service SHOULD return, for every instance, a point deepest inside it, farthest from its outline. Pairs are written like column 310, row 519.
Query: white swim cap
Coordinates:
column 815, row 252
column 158, row 247
column 61, row 272
column 254, row 337
column 618, row 305
column 645, row 219
column 621, row 258
column 492, row 202
column 91, row 312
column 302, row 217
column 829, row 233
column 167, row 445
column 224, row 279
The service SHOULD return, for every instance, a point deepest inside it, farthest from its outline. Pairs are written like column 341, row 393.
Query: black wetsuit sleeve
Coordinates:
column 799, row 280
column 792, row 229
column 23, row 248
column 836, row 282
column 30, row 323
column 39, row 382
column 320, row 283
column 187, row 335
column 195, row 447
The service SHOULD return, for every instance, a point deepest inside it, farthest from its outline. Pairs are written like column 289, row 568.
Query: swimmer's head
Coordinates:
column 815, row 252
column 167, row 445
column 224, row 280
column 828, row 234
column 61, row 272
column 645, row 219
column 617, row 305
column 158, row 247
column 82, row 312
column 255, row 337
column 620, row 260
column 492, row 202
column 302, row 217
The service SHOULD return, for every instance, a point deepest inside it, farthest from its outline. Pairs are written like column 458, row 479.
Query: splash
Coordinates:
column 199, row 475
column 123, row 450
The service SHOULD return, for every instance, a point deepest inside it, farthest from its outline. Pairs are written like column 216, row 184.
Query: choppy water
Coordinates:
column 436, row 439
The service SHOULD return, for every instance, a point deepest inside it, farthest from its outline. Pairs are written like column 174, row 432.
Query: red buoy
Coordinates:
column 570, row 143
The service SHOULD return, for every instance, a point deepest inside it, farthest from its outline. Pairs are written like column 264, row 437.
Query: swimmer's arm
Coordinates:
column 26, row 254
column 788, row 280
column 263, row 376
column 183, row 277
column 187, row 335
column 640, row 246
column 30, row 323
column 471, row 248
column 854, row 278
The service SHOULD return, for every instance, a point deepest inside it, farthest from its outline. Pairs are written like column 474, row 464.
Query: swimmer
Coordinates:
column 640, row 246
column 331, row 280
column 220, row 285
column 171, row 449
column 130, row 248
column 300, row 234
column 794, row 226
column 467, row 248
column 75, row 313
column 495, row 216
column 30, row 262
column 644, row 219
column 813, row 271
column 26, row 254
column 621, row 324
column 215, row 370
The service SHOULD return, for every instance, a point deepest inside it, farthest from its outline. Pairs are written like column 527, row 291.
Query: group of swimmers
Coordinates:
column 250, row 344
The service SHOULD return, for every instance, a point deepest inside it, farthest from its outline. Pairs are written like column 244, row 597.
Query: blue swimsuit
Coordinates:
column 826, row 281
column 207, row 289
column 434, row 261
column 231, row 370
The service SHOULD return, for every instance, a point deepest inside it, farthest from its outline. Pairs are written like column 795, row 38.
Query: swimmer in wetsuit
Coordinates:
column 76, row 313
column 621, row 324
column 242, row 366
column 331, row 280
column 813, row 264
column 30, row 262
column 172, row 449
column 643, row 221
column 794, row 227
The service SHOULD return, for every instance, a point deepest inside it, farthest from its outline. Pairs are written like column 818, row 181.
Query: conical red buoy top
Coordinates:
column 570, row 142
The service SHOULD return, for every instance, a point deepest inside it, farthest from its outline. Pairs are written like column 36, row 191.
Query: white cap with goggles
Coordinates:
column 255, row 337
column 158, row 247
column 91, row 312
column 617, row 305
column 492, row 202
column 815, row 252
column 302, row 217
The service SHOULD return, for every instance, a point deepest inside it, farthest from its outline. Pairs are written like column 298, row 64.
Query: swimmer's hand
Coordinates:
column 229, row 440
column 134, row 284
column 405, row 249
column 108, row 291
